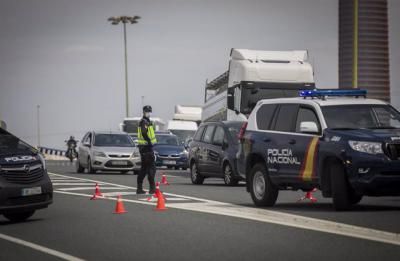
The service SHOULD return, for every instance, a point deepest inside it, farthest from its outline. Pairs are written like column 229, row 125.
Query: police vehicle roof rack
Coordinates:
column 324, row 93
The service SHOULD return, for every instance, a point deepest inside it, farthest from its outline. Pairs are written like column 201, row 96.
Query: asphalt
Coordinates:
column 89, row 230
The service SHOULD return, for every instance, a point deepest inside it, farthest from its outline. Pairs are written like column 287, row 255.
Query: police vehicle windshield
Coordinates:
column 113, row 140
column 9, row 144
column 361, row 117
column 167, row 140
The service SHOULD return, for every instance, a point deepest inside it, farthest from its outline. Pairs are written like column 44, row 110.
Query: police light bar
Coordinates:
column 333, row 93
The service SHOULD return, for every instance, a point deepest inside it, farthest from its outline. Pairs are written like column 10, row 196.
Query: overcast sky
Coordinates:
column 65, row 56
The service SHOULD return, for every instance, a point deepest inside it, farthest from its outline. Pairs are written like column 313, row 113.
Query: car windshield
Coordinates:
column 361, row 117
column 167, row 140
column 9, row 144
column 113, row 140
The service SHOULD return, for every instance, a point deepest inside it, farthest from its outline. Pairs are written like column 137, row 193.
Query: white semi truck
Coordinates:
column 185, row 122
column 254, row 75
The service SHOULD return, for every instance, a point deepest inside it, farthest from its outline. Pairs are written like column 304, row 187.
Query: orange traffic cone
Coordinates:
column 309, row 196
column 161, row 203
column 164, row 180
column 119, row 208
column 97, row 193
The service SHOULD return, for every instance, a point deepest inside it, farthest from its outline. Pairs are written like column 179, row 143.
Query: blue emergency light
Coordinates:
column 322, row 93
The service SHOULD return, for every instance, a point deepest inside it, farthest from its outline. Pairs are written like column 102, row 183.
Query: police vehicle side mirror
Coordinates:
column 309, row 127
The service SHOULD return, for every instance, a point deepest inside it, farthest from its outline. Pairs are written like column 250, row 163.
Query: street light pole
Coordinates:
column 124, row 20
column 38, row 125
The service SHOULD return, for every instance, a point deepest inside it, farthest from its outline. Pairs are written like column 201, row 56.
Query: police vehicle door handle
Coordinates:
column 292, row 141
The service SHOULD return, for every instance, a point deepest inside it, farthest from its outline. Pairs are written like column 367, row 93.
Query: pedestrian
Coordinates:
column 146, row 140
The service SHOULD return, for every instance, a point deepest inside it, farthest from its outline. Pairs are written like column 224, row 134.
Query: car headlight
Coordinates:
column 184, row 153
column 99, row 154
column 366, row 147
column 136, row 154
column 42, row 160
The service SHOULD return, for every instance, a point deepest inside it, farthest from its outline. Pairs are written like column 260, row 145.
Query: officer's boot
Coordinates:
column 140, row 189
column 152, row 188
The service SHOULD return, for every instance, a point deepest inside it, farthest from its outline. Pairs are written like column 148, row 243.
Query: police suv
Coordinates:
column 337, row 141
column 24, row 183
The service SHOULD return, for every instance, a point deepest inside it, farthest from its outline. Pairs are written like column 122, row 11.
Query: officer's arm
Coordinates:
column 144, row 133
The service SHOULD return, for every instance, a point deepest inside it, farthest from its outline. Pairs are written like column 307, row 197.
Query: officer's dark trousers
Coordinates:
column 148, row 166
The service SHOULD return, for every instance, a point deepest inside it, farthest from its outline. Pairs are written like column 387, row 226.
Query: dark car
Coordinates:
column 212, row 152
column 24, row 183
column 169, row 152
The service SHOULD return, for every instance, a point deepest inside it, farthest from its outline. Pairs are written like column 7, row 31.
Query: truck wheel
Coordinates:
column 90, row 168
column 228, row 176
column 262, row 190
column 195, row 176
column 79, row 168
column 19, row 217
column 342, row 194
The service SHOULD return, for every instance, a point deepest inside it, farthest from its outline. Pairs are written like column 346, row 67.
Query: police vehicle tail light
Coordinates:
column 242, row 131
column 322, row 93
column 366, row 147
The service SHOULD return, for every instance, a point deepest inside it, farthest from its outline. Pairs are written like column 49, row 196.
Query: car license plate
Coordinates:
column 31, row 191
column 120, row 163
column 169, row 162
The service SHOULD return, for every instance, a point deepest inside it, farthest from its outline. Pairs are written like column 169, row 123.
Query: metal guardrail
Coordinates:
column 50, row 151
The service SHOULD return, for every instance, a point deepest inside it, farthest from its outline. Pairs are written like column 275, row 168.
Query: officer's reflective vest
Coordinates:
column 150, row 134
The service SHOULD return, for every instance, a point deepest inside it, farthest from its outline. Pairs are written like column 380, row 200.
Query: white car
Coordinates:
column 113, row 151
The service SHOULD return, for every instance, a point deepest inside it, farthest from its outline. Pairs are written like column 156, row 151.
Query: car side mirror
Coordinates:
column 225, row 145
column 309, row 127
column 86, row 144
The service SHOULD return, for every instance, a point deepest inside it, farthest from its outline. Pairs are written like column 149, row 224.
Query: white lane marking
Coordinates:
column 89, row 188
column 65, row 180
column 274, row 217
column 120, row 193
column 39, row 248
column 74, row 184
column 166, row 199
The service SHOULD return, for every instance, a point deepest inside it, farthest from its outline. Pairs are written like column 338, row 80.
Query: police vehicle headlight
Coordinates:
column 366, row 147
column 42, row 160
column 99, row 154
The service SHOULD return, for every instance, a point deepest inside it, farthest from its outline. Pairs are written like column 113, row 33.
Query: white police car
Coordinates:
column 347, row 146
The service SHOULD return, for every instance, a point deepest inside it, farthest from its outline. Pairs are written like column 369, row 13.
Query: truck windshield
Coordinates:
column 361, row 117
column 183, row 135
column 254, row 92
column 113, row 140
column 9, row 144
column 131, row 126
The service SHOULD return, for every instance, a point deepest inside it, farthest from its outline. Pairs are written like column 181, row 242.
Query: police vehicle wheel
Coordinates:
column 90, row 168
column 19, row 217
column 195, row 176
column 79, row 168
column 341, row 191
column 228, row 177
column 262, row 190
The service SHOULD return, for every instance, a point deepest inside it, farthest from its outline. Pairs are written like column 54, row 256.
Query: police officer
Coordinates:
column 146, row 140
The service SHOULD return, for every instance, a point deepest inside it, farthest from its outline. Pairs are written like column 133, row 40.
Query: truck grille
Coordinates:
column 393, row 151
column 22, row 173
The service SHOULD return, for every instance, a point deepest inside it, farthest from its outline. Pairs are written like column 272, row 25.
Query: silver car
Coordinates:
column 114, row 151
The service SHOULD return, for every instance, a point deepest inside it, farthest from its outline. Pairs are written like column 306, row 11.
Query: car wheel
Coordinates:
column 19, row 217
column 342, row 194
column 169, row 167
column 90, row 168
column 184, row 168
column 195, row 176
column 79, row 168
column 136, row 172
column 124, row 171
column 228, row 176
column 176, row 168
column 262, row 190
